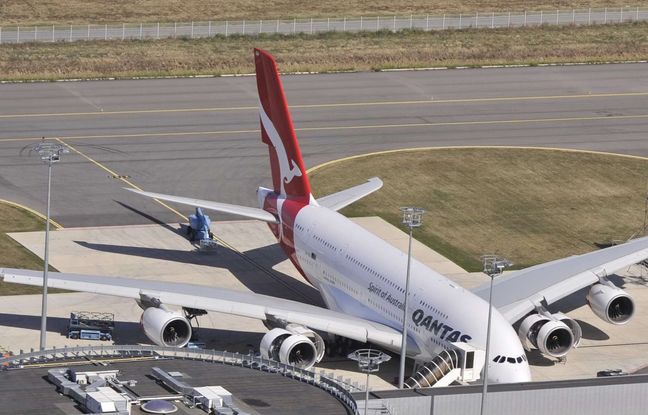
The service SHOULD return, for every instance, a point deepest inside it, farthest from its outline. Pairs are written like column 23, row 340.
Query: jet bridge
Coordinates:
column 462, row 362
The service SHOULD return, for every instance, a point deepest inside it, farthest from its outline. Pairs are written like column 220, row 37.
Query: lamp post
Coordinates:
column 49, row 153
column 411, row 218
column 493, row 267
column 369, row 361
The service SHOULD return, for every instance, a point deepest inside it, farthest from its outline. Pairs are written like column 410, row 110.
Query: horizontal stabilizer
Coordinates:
column 248, row 212
column 337, row 201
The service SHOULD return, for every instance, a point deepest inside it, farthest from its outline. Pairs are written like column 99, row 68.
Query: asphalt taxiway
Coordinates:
column 199, row 137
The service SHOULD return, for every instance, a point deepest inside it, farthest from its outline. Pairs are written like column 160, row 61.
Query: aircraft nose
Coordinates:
column 509, row 373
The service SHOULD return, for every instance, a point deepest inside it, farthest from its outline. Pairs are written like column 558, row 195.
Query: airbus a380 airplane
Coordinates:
column 361, row 277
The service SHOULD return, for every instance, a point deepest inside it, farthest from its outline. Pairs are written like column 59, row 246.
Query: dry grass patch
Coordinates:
column 14, row 255
column 325, row 52
column 26, row 12
column 531, row 206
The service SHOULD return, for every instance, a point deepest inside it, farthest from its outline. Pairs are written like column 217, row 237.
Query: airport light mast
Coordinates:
column 369, row 361
column 493, row 267
column 49, row 153
column 411, row 218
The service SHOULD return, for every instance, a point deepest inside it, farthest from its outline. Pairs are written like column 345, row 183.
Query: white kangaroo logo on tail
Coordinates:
column 287, row 173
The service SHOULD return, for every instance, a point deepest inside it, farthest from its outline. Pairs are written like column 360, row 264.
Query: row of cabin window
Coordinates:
column 326, row 244
column 375, row 273
column 385, row 309
column 423, row 303
column 394, row 316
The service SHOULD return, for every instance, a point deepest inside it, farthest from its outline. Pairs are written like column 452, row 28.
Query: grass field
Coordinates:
column 26, row 12
column 13, row 219
column 326, row 52
column 530, row 206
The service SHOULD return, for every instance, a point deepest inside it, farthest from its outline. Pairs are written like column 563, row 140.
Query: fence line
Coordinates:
column 123, row 31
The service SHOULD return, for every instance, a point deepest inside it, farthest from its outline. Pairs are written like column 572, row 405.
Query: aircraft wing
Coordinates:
column 519, row 292
column 245, row 304
column 248, row 212
column 337, row 201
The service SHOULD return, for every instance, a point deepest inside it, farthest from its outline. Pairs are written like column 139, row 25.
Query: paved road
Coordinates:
column 63, row 33
column 199, row 137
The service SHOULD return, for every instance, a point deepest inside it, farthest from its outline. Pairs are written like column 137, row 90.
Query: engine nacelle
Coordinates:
column 610, row 303
column 294, row 349
column 573, row 325
column 315, row 338
column 166, row 328
column 552, row 337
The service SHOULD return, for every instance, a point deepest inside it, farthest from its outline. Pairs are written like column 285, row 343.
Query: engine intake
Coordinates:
column 573, row 325
column 166, row 328
column 551, row 336
column 610, row 303
column 289, row 348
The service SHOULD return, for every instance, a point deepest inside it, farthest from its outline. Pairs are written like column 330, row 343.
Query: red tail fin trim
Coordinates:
column 288, row 172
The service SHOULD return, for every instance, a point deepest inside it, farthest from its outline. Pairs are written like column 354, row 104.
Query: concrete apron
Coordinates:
column 163, row 253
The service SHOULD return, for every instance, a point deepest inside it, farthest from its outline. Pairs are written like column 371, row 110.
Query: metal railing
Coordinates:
column 202, row 29
column 333, row 387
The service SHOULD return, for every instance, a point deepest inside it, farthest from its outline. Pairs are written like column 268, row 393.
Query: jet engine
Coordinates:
column 166, row 328
column 573, row 325
column 294, row 345
column 610, row 303
column 550, row 335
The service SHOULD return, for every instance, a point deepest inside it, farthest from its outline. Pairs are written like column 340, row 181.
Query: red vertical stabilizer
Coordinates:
column 288, row 172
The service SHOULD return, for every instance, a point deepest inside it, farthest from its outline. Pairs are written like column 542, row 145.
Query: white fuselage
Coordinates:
column 362, row 275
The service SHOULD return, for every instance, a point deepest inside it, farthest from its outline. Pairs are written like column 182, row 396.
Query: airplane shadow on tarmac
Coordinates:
column 126, row 332
column 263, row 279
column 252, row 272
column 147, row 216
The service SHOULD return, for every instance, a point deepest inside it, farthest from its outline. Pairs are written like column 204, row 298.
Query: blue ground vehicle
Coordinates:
column 199, row 226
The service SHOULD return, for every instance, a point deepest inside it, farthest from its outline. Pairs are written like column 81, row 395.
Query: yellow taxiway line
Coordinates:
column 331, row 105
column 351, row 127
column 410, row 149
column 134, row 186
column 116, row 175
column 32, row 211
